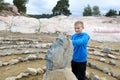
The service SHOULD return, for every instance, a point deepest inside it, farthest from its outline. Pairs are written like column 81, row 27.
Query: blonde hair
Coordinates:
column 79, row 22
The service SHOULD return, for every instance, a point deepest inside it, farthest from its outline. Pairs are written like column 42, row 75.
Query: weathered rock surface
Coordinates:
column 102, row 59
column 112, row 56
column 11, row 78
column 21, row 59
column 22, row 75
column 96, row 77
column 118, row 77
column 96, row 53
column 13, row 9
column 99, row 32
column 92, row 65
column 40, row 70
column 32, row 57
column 106, row 70
column 60, row 53
column 107, row 50
column 91, row 76
column 1, row 63
column 13, row 61
column 57, row 58
column 10, row 10
column 32, row 71
column 59, row 74
column 112, row 62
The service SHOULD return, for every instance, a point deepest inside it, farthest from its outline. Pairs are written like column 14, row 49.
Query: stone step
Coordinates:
column 100, row 73
column 112, row 56
column 40, row 45
column 21, row 51
column 111, row 70
column 30, row 71
column 19, row 59
column 106, row 60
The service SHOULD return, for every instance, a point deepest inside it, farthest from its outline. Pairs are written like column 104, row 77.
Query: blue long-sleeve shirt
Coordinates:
column 80, row 42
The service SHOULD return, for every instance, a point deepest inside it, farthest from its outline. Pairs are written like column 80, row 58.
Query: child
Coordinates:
column 79, row 59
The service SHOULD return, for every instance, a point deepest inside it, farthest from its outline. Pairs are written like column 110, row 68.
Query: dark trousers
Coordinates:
column 79, row 69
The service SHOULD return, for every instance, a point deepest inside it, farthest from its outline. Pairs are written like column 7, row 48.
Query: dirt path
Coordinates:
column 14, row 70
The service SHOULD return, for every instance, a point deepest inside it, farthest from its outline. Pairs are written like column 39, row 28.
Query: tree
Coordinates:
column 1, row 4
column 96, row 11
column 119, row 13
column 87, row 11
column 20, row 4
column 1, row 1
column 61, row 8
column 41, row 16
column 111, row 12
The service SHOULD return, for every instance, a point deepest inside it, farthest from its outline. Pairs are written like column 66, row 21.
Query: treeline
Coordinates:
column 112, row 12
column 89, row 11
column 41, row 16
column 61, row 8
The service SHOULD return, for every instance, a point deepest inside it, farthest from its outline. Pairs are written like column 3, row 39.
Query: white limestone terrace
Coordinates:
column 99, row 28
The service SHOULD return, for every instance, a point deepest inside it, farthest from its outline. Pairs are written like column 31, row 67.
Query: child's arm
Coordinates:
column 81, row 41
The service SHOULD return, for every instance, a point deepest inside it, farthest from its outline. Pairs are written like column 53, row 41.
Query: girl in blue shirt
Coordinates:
column 79, row 40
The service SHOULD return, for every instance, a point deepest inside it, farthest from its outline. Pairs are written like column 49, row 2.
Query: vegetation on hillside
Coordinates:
column 111, row 12
column 3, row 5
column 21, row 5
column 41, row 16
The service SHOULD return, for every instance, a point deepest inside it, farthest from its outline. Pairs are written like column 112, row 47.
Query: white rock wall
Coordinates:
column 99, row 28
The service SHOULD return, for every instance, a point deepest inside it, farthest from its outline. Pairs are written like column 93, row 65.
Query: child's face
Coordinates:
column 78, row 28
